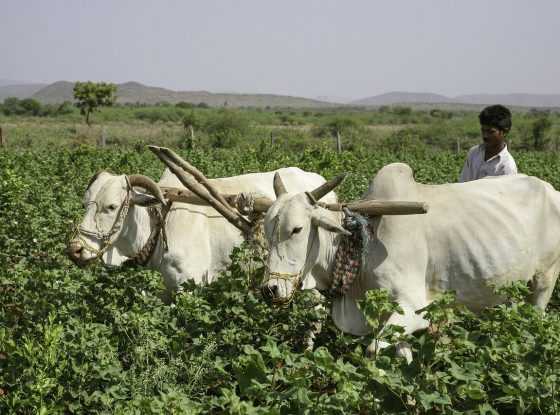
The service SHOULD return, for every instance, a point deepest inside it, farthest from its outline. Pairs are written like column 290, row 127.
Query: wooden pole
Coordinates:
column 199, row 190
column 174, row 194
column 2, row 142
column 103, row 138
column 197, row 174
column 271, row 137
column 191, row 128
column 338, row 142
column 379, row 207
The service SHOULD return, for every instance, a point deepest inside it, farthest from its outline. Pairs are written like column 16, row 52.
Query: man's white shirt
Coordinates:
column 476, row 167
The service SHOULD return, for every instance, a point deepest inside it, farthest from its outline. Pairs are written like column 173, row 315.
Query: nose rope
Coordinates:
column 295, row 278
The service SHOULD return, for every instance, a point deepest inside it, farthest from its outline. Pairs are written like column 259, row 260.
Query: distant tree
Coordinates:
column 286, row 119
column 203, row 105
column 437, row 113
column 27, row 106
column 539, row 127
column 183, row 104
column 190, row 122
column 90, row 96
column 12, row 106
column 339, row 125
column 64, row 108
column 384, row 108
column 31, row 106
column 227, row 127
column 400, row 110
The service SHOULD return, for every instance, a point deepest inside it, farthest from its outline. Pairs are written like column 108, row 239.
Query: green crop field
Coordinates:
column 100, row 340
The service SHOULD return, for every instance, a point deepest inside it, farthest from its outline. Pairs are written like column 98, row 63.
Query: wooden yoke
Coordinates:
column 379, row 207
column 175, row 164
column 174, row 194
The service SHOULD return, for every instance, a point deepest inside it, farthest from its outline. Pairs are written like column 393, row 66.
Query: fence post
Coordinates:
column 103, row 138
column 271, row 137
column 338, row 142
column 458, row 144
column 2, row 142
column 191, row 128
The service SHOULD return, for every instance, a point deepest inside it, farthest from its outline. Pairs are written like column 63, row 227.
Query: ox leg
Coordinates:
column 411, row 322
column 167, row 296
column 543, row 285
column 316, row 327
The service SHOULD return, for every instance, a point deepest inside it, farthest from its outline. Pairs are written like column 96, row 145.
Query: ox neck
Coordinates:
column 135, row 232
column 323, row 255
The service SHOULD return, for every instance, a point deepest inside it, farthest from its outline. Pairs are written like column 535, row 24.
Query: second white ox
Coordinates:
column 118, row 224
column 475, row 234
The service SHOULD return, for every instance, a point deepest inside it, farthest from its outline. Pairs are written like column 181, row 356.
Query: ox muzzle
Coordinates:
column 279, row 288
column 78, row 254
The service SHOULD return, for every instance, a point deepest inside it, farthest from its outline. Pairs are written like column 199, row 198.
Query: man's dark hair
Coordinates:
column 496, row 116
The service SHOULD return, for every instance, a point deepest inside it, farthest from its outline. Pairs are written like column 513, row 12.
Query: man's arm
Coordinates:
column 509, row 167
column 466, row 172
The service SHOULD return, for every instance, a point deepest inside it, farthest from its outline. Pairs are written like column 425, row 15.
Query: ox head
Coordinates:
column 107, row 201
column 291, row 226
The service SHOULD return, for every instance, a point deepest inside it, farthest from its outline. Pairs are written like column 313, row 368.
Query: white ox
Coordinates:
column 476, row 234
column 117, row 223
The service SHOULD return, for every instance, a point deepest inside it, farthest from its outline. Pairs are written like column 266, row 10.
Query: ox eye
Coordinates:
column 112, row 207
column 297, row 229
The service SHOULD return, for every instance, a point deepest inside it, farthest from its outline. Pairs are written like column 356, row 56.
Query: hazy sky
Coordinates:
column 310, row 48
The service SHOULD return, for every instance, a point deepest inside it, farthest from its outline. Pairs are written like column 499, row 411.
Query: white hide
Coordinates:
column 477, row 234
column 200, row 240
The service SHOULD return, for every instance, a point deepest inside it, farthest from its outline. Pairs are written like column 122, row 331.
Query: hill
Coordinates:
column 519, row 100
column 134, row 92
column 19, row 91
column 398, row 97
column 514, row 100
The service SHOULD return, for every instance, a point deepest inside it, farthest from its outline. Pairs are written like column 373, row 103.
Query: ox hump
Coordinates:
column 394, row 181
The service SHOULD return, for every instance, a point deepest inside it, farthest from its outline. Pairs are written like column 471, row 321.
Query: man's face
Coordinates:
column 492, row 136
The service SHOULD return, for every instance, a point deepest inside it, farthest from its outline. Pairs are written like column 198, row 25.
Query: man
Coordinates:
column 491, row 158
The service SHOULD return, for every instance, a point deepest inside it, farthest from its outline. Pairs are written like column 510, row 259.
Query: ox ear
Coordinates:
column 318, row 218
column 143, row 199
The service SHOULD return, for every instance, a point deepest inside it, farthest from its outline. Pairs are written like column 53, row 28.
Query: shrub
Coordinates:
column 163, row 114
column 226, row 127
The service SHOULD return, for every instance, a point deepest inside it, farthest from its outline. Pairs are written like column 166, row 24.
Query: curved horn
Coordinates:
column 326, row 187
column 144, row 181
column 279, row 188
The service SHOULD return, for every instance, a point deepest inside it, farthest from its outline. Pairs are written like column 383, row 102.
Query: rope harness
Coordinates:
column 108, row 239
column 245, row 204
column 157, row 225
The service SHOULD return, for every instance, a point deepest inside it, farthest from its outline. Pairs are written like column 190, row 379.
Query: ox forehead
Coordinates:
column 109, row 193
column 289, row 214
